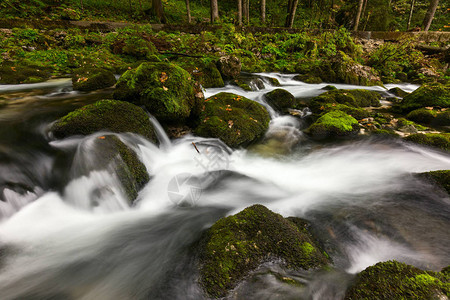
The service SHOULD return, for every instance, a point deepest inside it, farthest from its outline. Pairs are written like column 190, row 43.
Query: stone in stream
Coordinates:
column 209, row 76
column 352, row 98
column 396, row 280
column 335, row 123
column 229, row 66
column 281, row 100
column 428, row 95
column 438, row 140
column 109, row 115
column 92, row 79
column 16, row 74
column 234, row 119
column 398, row 92
column 238, row 244
column 440, row 178
column 164, row 89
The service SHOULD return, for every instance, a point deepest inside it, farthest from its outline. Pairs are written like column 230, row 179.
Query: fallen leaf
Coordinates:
column 164, row 88
column 230, row 123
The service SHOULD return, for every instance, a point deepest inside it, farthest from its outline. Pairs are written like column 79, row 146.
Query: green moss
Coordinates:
column 442, row 119
column 385, row 132
column 398, row 92
column 15, row 74
column 234, row 119
column 402, row 122
column 395, row 280
column 165, row 89
column 422, row 115
column 280, row 100
column 92, row 79
column 357, row 113
column 237, row 244
column 210, row 77
column 439, row 140
column 111, row 115
column 428, row 95
column 441, row 178
column 334, row 123
column 354, row 98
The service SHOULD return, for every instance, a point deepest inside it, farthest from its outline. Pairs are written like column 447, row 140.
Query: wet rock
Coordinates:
column 166, row 90
column 440, row 178
column 422, row 115
column 351, row 98
column 92, row 79
column 442, row 118
column 398, row 92
column 110, row 115
column 438, row 140
column 238, row 244
column 229, row 66
column 280, row 100
column 428, row 95
column 395, row 280
column 335, row 123
column 209, row 76
column 234, row 119
column 16, row 74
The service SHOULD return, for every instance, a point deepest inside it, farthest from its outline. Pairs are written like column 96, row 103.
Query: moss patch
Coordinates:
column 15, row 74
column 439, row 140
column 332, row 124
column 92, row 79
column 112, row 115
column 441, row 178
column 428, row 95
column 280, row 100
column 395, row 280
column 237, row 244
column 165, row 89
column 234, row 119
column 422, row 115
column 354, row 98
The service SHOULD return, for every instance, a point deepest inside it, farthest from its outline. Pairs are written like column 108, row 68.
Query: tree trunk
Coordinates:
column 430, row 14
column 288, row 13
column 358, row 15
column 188, row 11
column 292, row 13
column 244, row 11
column 214, row 11
column 247, row 16
column 239, row 16
column 263, row 11
column 410, row 14
column 158, row 10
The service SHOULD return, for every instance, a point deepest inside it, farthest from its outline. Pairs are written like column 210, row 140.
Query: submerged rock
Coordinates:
column 395, row 280
column 92, row 79
column 438, row 140
column 335, row 123
column 165, row 89
column 111, row 115
column 238, row 244
column 234, row 119
column 428, row 95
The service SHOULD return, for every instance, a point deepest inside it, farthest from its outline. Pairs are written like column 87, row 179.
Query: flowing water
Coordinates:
column 68, row 232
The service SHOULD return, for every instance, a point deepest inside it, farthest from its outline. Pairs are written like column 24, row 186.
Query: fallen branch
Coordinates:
column 181, row 54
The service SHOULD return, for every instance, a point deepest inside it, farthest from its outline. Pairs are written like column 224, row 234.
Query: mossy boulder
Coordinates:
column 440, row 178
column 438, row 140
column 229, row 66
column 238, row 244
column 135, row 45
column 422, row 115
column 234, row 119
column 428, row 95
column 209, row 76
column 398, row 92
column 110, row 115
column 280, row 100
column 353, row 98
column 442, row 118
column 16, row 74
column 166, row 90
column 335, row 123
column 92, row 79
column 395, row 280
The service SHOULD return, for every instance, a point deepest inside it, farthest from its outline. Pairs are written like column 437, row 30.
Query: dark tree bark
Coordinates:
column 239, row 5
column 358, row 15
column 430, row 15
column 158, row 10
column 410, row 14
column 263, row 11
column 214, row 11
column 292, row 9
column 244, row 11
column 247, row 16
column 188, row 11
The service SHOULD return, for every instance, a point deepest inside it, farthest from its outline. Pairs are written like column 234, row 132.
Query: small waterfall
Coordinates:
column 163, row 138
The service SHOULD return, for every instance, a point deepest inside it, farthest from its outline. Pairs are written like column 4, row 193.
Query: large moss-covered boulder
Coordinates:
column 346, row 70
column 440, row 178
column 335, row 123
column 422, row 115
column 398, row 92
column 15, row 74
column 92, row 79
column 354, row 98
column 209, row 76
column 395, row 280
column 238, row 244
column 428, row 95
column 280, row 100
column 442, row 118
column 165, row 89
column 110, row 115
column 438, row 140
column 234, row 119
column 229, row 66
column 136, row 45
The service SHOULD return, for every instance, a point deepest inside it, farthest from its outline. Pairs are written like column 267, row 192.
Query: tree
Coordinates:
column 214, row 11
column 158, row 10
column 263, row 11
column 291, row 10
column 188, row 12
column 239, row 4
column 245, row 11
column 410, row 14
column 430, row 14
column 358, row 15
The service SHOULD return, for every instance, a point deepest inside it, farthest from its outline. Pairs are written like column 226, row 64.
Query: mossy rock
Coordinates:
column 166, row 90
column 438, row 140
column 69, row 14
column 272, row 81
column 354, row 98
column 395, row 280
column 398, row 92
column 210, row 77
column 280, row 100
column 442, row 119
column 234, row 119
column 385, row 132
column 440, row 178
column 130, row 171
column 92, row 79
column 238, row 244
column 402, row 123
column 422, row 115
column 428, row 95
column 335, row 123
column 110, row 115
column 135, row 45
column 16, row 74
